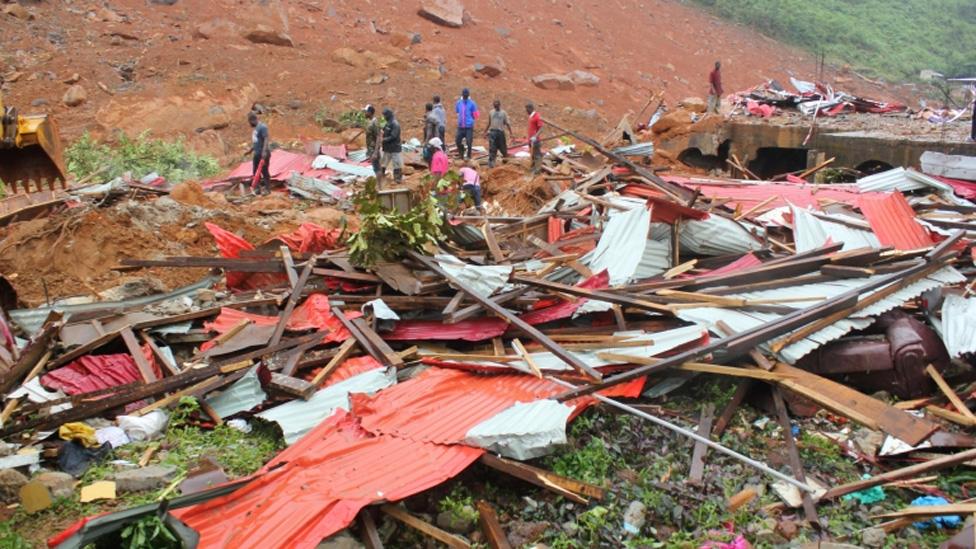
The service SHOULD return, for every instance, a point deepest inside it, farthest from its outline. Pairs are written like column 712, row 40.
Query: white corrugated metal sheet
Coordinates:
column 483, row 279
column 951, row 166
column 523, row 431
column 656, row 259
column 244, row 394
column 740, row 320
column 299, row 416
column 959, row 325
column 624, row 233
column 811, row 232
column 906, row 180
column 718, row 235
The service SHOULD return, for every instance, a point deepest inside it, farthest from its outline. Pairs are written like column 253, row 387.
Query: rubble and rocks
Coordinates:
column 552, row 81
column 449, row 13
column 263, row 34
column 75, row 96
column 144, row 478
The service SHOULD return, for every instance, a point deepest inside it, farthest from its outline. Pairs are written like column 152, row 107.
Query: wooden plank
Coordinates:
column 33, row 354
column 158, row 353
column 383, row 353
column 700, row 367
column 295, row 356
column 292, row 386
column 296, row 294
column 697, row 470
column 618, row 299
column 932, row 511
column 553, row 250
column 809, row 509
column 176, row 396
column 949, row 393
column 912, row 471
column 271, row 349
column 573, row 490
column 344, row 351
column 289, row 266
column 858, row 406
column 425, row 527
column 726, row 416
column 13, row 403
column 453, row 304
column 492, row 241
column 473, row 309
column 132, row 344
column 358, row 277
column 490, row 526
column 524, row 354
column 370, row 536
column 533, row 333
column 83, row 350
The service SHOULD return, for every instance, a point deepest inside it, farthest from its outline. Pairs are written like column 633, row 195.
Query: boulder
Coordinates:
column 459, row 523
column 61, row 485
column 18, row 11
column 216, row 28
column 672, row 120
column 11, row 481
column 76, row 95
column 73, row 79
column 449, row 13
column 584, row 78
column 553, row 81
column 491, row 71
column 694, row 104
column 144, row 478
column 263, row 34
column 349, row 56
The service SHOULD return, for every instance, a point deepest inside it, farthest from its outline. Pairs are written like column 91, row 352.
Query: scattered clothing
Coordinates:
column 948, row 521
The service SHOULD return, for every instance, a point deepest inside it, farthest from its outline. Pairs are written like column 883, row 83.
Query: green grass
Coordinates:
column 140, row 156
column 888, row 39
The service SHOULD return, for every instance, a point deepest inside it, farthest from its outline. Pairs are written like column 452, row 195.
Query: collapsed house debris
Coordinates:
column 385, row 380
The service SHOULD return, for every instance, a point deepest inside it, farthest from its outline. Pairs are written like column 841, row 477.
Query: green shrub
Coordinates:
column 140, row 156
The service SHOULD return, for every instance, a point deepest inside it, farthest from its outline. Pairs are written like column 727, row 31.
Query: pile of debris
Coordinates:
column 387, row 380
column 808, row 98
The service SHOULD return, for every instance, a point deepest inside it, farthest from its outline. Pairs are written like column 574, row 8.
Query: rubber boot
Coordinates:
column 398, row 176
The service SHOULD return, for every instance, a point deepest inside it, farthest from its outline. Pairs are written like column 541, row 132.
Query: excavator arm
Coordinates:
column 31, row 153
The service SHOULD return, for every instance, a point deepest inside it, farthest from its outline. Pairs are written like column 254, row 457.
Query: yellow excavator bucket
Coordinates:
column 31, row 155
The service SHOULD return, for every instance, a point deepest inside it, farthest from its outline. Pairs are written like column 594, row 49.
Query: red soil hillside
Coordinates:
column 185, row 68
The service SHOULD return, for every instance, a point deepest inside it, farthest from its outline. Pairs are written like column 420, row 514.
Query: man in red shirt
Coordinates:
column 715, row 89
column 535, row 128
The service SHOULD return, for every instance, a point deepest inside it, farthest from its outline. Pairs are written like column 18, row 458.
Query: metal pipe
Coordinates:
column 696, row 437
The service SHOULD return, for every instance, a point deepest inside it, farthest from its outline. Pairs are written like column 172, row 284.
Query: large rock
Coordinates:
column 61, row 485
column 144, row 478
column 362, row 59
column 489, row 70
column 449, row 13
column 552, row 81
column 11, row 480
column 76, row 95
column 671, row 121
column 584, row 78
column 216, row 28
column 694, row 104
column 263, row 34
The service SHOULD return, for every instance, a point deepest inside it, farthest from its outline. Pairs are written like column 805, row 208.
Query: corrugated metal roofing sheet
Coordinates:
column 94, row 372
column 315, row 313
column 893, row 221
column 244, row 394
column 317, row 487
column 524, row 430
column 298, row 417
column 743, row 195
column 740, row 320
column 810, row 233
column 624, row 233
column 959, row 325
column 718, row 235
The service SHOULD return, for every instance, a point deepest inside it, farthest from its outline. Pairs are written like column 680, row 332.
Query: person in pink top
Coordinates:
column 439, row 162
column 471, row 185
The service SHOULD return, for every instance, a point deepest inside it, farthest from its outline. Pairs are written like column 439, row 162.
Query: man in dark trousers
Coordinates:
column 715, row 89
column 392, row 147
column 261, row 149
column 467, row 114
column 497, row 122
column 441, row 115
column 535, row 131
column 373, row 139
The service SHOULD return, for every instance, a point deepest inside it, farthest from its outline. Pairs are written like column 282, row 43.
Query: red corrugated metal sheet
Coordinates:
column 746, row 196
column 664, row 210
column 546, row 310
column 94, row 372
column 441, row 405
column 963, row 188
column 893, row 221
column 745, row 262
column 316, row 487
column 350, row 368
column 556, row 228
column 282, row 164
column 314, row 314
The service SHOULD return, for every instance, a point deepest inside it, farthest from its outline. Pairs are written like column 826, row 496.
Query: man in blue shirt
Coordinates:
column 467, row 114
column 261, row 149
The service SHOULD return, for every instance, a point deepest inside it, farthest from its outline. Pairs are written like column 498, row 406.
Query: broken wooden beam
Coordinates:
column 573, row 490
column 425, row 527
column 697, row 470
column 490, row 527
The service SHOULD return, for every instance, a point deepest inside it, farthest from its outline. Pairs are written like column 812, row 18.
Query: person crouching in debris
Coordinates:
column 439, row 163
column 497, row 122
column 471, row 185
column 392, row 147
column 715, row 89
column 373, row 139
column 535, row 144
column 261, row 149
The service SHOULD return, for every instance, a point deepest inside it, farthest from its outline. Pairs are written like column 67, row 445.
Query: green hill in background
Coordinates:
column 888, row 38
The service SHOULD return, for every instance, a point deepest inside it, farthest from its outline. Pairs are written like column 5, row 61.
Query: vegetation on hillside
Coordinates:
column 140, row 156
column 887, row 38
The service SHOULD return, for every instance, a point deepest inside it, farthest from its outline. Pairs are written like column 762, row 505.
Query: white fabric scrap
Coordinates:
column 298, row 417
column 381, row 310
column 147, row 427
column 524, row 430
column 483, row 280
column 113, row 435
